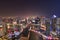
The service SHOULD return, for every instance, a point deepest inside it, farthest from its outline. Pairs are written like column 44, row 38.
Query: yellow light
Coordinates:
column 43, row 27
column 8, row 27
column 8, row 24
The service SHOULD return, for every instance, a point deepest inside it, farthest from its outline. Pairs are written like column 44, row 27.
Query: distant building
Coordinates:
column 58, row 25
column 47, row 23
column 54, row 21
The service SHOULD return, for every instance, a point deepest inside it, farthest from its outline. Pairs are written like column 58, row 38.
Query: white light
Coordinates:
column 1, row 26
column 54, row 16
column 33, row 20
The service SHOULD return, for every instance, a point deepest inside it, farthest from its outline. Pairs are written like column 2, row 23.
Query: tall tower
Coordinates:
column 47, row 22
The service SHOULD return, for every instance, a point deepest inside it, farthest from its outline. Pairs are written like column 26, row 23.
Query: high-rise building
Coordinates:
column 47, row 22
column 58, row 25
column 54, row 20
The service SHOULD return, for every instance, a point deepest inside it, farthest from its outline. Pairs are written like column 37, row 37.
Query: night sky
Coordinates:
column 30, row 8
